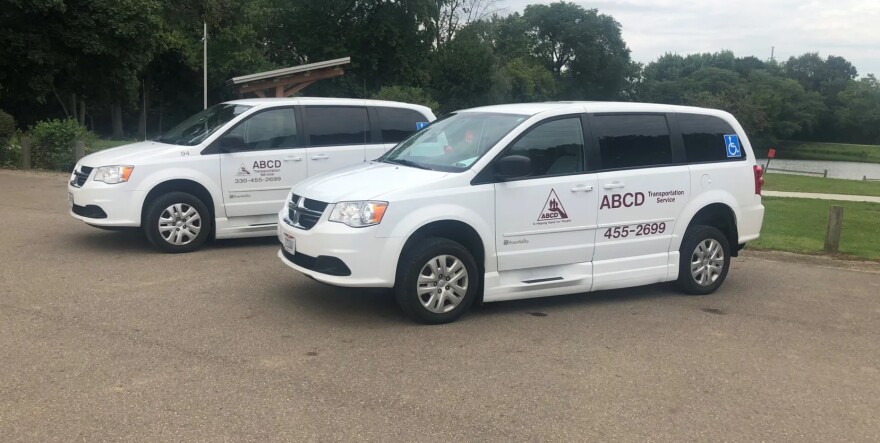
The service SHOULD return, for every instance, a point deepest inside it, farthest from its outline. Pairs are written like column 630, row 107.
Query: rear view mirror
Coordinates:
column 513, row 166
column 232, row 143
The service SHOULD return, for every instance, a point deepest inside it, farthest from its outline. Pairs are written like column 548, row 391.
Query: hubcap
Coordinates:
column 442, row 284
column 707, row 261
column 180, row 224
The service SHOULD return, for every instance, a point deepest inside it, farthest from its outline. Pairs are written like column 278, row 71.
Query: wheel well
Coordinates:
column 456, row 231
column 180, row 185
column 720, row 216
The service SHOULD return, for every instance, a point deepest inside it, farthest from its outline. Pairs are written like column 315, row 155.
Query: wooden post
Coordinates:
column 835, row 223
column 825, row 174
column 80, row 151
column 26, row 153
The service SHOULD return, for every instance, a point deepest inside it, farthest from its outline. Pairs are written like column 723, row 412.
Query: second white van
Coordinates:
column 224, row 171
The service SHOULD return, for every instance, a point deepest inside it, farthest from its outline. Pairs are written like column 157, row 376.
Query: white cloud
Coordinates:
column 847, row 28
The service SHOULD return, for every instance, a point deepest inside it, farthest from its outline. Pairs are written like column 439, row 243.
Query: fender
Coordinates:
column 703, row 199
column 195, row 173
column 482, row 220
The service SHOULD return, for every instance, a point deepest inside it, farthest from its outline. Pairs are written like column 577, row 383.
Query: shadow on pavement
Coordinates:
column 377, row 308
column 133, row 240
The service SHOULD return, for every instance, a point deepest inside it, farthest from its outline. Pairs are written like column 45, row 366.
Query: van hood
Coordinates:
column 364, row 182
column 132, row 154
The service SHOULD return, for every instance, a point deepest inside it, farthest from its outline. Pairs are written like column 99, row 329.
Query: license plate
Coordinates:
column 69, row 200
column 289, row 243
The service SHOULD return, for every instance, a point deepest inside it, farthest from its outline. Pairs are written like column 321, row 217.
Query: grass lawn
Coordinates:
column 801, row 183
column 798, row 225
column 793, row 150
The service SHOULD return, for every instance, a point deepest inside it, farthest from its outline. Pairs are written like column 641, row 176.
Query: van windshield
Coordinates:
column 453, row 143
column 197, row 128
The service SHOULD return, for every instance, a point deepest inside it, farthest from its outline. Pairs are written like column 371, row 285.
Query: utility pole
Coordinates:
column 205, row 63
column 772, row 54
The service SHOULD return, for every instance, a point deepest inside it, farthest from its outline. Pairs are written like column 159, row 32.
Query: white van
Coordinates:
column 226, row 170
column 529, row 200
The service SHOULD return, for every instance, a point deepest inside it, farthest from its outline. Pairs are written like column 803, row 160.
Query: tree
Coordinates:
column 582, row 47
column 462, row 70
column 858, row 115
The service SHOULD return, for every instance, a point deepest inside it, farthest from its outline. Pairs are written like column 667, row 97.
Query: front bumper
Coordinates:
column 370, row 261
column 101, row 204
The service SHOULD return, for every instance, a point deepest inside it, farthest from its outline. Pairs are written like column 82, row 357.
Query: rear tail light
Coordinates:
column 759, row 179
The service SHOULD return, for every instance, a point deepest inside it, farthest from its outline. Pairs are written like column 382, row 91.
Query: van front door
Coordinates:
column 549, row 217
column 258, row 174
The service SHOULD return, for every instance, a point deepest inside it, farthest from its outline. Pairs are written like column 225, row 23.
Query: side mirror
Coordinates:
column 513, row 166
column 232, row 143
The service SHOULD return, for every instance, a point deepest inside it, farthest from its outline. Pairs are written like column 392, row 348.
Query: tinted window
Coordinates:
column 555, row 147
column 337, row 125
column 397, row 124
column 704, row 138
column 274, row 129
column 629, row 141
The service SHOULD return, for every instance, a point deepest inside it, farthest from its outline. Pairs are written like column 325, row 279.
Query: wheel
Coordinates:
column 177, row 222
column 704, row 260
column 437, row 281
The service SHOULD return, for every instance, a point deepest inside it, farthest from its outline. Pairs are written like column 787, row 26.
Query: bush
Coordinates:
column 53, row 143
column 407, row 94
column 7, row 131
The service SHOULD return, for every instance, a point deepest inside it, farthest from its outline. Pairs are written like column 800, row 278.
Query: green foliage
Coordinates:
column 859, row 112
column 584, row 49
column 7, row 131
column 53, row 143
column 407, row 94
column 118, row 54
column 522, row 80
column 462, row 71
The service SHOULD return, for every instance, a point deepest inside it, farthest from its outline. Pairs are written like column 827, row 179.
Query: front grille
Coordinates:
column 80, row 177
column 304, row 213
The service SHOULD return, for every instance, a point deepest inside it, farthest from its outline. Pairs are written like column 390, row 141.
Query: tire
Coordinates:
column 704, row 260
column 193, row 229
column 454, row 299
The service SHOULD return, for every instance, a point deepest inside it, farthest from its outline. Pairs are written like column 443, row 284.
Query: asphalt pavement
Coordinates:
column 102, row 339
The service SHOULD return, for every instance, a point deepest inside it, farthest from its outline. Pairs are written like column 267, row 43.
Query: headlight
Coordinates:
column 359, row 214
column 113, row 174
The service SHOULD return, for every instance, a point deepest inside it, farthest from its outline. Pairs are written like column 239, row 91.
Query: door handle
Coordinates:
column 295, row 158
column 613, row 185
column 582, row 188
column 320, row 157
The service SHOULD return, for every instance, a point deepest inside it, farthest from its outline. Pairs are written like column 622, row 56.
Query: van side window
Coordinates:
column 555, row 147
column 337, row 125
column 631, row 141
column 272, row 129
column 704, row 138
column 398, row 123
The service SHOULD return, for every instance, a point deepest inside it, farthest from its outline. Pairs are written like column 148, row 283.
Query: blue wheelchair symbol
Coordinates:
column 731, row 143
column 420, row 125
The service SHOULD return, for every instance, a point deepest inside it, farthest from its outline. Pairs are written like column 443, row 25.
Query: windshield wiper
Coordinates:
column 399, row 161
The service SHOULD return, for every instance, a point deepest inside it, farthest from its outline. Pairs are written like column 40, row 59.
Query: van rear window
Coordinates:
column 631, row 141
column 704, row 138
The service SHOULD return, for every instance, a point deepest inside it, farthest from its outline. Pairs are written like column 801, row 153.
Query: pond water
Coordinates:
column 847, row 170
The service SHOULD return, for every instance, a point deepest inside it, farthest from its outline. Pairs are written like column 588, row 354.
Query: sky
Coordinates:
column 846, row 28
